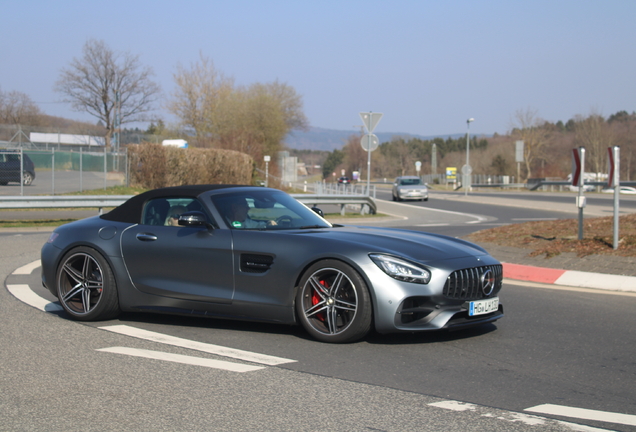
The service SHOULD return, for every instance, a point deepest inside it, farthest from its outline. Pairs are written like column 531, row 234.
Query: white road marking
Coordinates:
column 199, row 346
column 478, row 217
column 24, row 293
column 431, row 225
column 454, row 405
column 584, row 414
column 511, row 416
column 178, row 358
column 27, row 269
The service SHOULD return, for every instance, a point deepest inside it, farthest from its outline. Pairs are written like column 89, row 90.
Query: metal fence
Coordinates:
column 58, row 172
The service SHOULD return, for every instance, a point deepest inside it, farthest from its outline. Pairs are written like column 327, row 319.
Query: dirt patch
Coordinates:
column 551, row 238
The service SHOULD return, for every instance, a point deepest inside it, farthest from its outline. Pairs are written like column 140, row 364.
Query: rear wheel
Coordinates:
column 333, row 303
column 86, row 286
column 27, row 179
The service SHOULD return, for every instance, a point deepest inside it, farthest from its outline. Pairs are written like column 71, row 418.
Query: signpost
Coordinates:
column 519, row 158
column 266, row 159
column 613, row 180
column 369, row 142
column 578, row 174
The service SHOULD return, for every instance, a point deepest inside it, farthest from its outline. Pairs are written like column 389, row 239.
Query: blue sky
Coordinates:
column 426, row 65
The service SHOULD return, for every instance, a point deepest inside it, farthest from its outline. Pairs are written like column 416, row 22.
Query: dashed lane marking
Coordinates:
column 584, row 414
column 198, row 346
column 178, row 358
column 24, row 293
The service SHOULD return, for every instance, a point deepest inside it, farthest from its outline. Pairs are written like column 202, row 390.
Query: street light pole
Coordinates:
column 467, row 181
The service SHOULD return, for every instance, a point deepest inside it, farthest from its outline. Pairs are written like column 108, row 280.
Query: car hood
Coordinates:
column 416, row 245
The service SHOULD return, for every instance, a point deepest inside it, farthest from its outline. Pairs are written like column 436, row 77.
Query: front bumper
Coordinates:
column 410, row 307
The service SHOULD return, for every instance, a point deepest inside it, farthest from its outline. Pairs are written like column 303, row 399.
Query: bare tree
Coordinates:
column 18, row 108
column 105, row 84
column 528, row 127
column 595, row 135
column 253, row 119
column 200, row 93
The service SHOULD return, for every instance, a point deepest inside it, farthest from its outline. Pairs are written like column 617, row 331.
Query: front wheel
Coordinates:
column 333, row 303
column 86, row 286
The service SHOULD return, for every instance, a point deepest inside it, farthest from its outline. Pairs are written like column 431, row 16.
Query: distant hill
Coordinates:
column 330, row 139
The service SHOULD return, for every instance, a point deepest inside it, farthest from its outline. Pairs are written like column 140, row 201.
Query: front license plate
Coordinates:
column 481, row 307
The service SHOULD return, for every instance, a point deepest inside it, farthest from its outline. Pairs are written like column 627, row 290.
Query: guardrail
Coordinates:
column 63, row 201
column 367, row 204
column 102, row 201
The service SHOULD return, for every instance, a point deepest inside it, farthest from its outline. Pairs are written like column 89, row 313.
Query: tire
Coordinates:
column 86, row 286
column 27, row 179
column 333, row 303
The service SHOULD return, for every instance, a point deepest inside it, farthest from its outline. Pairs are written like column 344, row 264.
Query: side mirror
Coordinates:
column 194, row 218
column 318, row 211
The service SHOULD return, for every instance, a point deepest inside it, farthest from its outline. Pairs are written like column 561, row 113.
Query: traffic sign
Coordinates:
column 467, row 170
column 613, row 162
column 578, row 161
column 370, row 120
column 369, row 141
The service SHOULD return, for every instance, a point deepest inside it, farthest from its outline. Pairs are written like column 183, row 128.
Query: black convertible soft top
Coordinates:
column 130, row 211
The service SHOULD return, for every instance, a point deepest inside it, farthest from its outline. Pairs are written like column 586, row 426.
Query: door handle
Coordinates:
column 146, row 237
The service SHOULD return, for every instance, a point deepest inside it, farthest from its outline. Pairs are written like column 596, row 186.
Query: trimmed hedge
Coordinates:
column 153, row 166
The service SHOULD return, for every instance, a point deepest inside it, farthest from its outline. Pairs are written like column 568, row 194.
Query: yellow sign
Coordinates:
column 451, row 173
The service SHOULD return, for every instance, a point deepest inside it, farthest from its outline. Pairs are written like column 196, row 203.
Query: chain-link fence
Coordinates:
column 51, row 172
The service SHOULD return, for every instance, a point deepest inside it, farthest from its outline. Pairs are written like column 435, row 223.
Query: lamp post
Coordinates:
column 467, row 170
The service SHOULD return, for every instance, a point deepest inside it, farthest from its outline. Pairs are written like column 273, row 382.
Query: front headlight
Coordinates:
column 400, row 269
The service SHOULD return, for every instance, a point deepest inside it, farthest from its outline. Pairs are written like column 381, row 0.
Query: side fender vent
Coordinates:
column 252, row 263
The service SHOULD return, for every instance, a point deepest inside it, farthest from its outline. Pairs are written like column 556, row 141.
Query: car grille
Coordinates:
column 468, row 284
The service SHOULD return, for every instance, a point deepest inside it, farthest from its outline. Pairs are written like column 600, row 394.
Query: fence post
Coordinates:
column 21, row 171
column 80, row 170
column 52, row 170
column 105, row 167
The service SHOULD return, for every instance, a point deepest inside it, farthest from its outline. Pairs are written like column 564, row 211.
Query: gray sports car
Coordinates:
column 254, row 253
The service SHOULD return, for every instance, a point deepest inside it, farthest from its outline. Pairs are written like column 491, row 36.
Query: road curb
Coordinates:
column 570, row 278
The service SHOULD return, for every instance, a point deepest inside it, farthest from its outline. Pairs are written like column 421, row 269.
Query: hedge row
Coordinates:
column 153, row 166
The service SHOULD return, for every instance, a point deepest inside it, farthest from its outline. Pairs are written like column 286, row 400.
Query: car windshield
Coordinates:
column 410, row 182
column 265, row 209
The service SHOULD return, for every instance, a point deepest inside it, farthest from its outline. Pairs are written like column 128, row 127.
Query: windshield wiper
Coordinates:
column 313, row 226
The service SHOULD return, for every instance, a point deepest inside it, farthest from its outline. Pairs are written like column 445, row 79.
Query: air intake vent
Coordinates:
column 474, row 283
column 252, row 263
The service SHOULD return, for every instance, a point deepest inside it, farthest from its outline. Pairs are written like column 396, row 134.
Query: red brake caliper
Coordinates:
column 315, row 299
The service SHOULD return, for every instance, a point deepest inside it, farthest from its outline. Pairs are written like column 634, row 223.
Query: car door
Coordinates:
column 6, row 169
column 13, row 167
column 188, row 263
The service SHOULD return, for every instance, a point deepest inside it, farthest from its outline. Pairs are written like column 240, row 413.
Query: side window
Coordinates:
column 155, row 212
column 166, row 211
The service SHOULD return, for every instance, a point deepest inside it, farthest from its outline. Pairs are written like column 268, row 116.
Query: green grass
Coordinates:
column 34, row 223
column 114, row 190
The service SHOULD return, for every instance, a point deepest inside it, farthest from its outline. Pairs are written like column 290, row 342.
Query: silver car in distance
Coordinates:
column 409, row 188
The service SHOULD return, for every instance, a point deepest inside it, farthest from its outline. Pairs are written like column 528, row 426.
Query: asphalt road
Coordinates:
column 560, row 347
